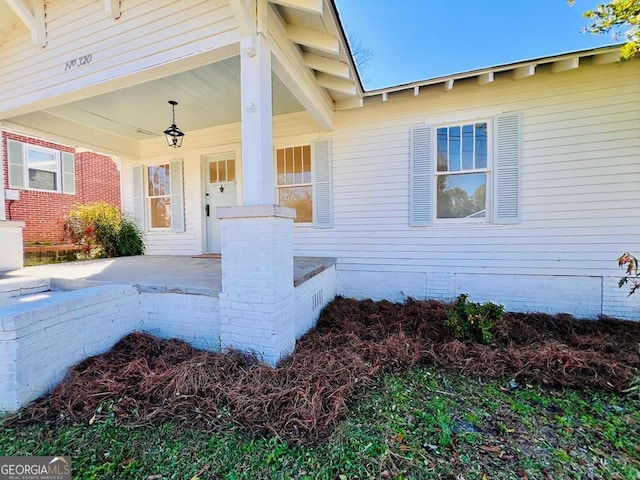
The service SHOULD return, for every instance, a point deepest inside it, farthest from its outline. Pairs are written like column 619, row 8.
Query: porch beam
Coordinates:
column 242, row 14
column 336, row 84
column 564, row 65
column 34, row 20
column 296, row 76
column 112, row 8
column 314, row 39
column 311, row 6
column 326, row 65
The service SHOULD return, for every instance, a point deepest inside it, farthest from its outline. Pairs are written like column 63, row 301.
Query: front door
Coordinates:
column 220, row 191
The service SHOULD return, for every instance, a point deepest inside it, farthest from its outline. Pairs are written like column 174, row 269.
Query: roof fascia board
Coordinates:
column 521, row 69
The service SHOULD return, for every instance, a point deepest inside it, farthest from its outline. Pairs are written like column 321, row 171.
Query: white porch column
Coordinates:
column 257, row 123
column 257, row 302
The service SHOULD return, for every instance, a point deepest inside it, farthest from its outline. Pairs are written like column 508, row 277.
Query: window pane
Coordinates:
column 462, row 196
column 481, row 145
column 306, row 164
column 160, row 212
column 288, row 160
column 231, row 170
column 213, row 172
column 443, row 158
column 297, row 164
column 42, row 160
column 222, row 171
column 300, row 199
column 159, row 180
column 467, row 147
column 280, row 166
column 42, row 180
column 454, row 149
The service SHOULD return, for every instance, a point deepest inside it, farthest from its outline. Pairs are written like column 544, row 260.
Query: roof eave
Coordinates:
column 554, row 59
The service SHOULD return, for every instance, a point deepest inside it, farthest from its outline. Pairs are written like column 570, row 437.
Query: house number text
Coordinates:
column 78, row 62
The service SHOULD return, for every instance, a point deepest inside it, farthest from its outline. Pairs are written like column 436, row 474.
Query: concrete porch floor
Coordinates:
column 159, row 273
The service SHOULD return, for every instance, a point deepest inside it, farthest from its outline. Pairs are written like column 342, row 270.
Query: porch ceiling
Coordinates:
column 207, row 96
column 313, row 69
column 8, row 20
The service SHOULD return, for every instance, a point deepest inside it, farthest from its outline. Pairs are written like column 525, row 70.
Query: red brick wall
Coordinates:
column 97, row 178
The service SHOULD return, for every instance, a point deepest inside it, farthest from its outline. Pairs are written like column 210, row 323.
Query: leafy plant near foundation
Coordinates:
column 470, row 321
column 104, row 230
column 632, row 273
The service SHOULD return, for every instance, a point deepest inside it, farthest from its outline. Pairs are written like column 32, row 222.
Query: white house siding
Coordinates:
column 581, row 168
column 123, row 51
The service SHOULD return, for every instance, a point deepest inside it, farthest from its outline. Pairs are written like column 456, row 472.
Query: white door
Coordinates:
column 220, row 191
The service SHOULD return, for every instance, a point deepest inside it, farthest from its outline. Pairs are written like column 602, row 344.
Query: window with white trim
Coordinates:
column 466, row 172
column 159, row 195
column 462, row 171
column 294, row 183
column 34, row 167
column 303, row 182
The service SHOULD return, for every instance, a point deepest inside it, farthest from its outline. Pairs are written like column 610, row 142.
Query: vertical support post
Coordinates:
column 257, row 302
column 257, row 122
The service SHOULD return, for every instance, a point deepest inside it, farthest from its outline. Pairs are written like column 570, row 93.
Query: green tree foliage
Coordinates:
column 103, row 230
column 619, row 17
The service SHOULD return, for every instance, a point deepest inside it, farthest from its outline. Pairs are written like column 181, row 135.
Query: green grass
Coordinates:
column 420, row 425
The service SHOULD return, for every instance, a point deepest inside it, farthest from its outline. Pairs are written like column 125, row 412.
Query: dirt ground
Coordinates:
column 143, row 380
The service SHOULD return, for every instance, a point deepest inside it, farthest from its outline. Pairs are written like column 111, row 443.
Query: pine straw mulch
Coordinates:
column 146, row 380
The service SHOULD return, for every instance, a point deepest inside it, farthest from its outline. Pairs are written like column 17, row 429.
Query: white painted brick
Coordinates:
column 257, row 303
column 395, row 286
column 580, row 296
column 306, row 317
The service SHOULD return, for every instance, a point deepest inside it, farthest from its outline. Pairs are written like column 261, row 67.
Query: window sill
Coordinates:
column 462, row 226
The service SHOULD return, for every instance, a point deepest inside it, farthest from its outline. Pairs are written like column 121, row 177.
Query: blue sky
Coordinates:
column 413, row 40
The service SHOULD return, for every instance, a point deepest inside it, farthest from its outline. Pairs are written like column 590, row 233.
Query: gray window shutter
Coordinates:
column 68, row 173
column 177, row 197
column 138, row 196
column 420, row 176
column 15, row 153
column 506, row 168
column 322, row 188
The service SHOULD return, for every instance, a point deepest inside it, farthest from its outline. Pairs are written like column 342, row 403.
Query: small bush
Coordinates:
column 104, row 231
column 469, row 321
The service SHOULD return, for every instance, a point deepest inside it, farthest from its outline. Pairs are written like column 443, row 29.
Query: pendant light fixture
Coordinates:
column 173, row 134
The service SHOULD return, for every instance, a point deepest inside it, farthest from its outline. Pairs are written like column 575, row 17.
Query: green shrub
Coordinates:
column 103, row 230
column 469, row 321
column 129, row 240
